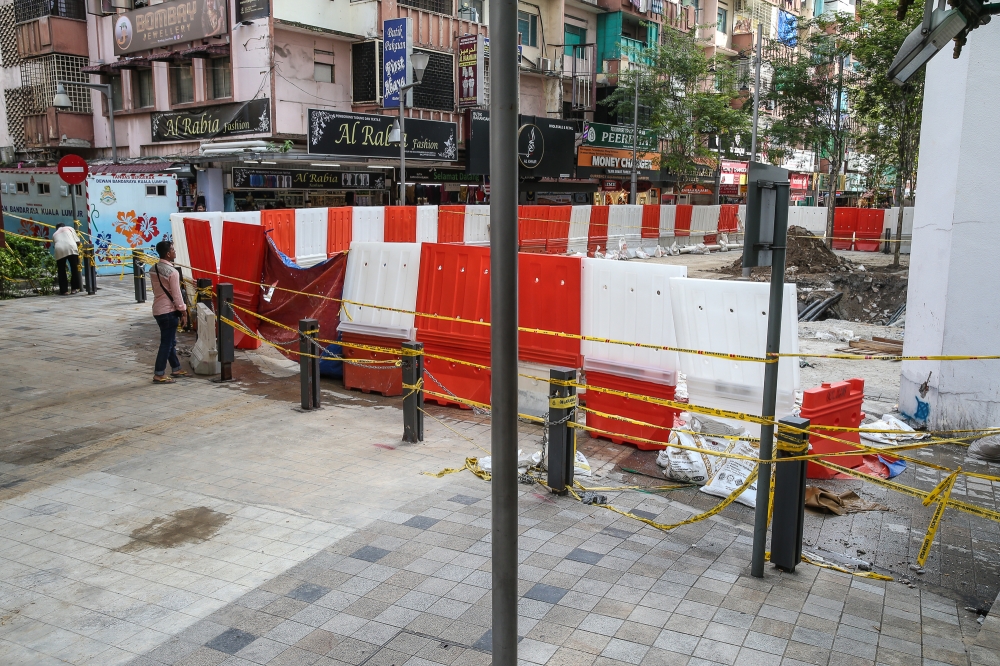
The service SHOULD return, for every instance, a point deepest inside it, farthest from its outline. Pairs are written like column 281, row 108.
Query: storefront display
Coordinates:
column 257, row 189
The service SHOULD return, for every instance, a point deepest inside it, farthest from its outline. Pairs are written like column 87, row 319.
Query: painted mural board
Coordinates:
column 129, row 211
column 33, row 203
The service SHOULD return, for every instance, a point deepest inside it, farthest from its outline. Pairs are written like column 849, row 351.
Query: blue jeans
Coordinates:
column 168, row 343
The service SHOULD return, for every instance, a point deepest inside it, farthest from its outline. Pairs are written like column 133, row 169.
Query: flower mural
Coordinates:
column 31, row 228
column 136, row 229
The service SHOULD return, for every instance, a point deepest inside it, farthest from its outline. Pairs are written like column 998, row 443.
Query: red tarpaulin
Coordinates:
column 325, row 283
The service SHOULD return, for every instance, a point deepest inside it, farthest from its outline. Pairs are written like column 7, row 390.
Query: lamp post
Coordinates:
column 635, row 135
column 62, row 101
column 398, row 131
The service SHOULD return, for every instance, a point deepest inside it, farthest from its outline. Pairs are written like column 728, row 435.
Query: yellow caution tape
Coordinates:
column 567, row 402
column 943, row 490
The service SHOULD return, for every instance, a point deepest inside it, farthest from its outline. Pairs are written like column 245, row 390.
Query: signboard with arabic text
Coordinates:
column 471, row 59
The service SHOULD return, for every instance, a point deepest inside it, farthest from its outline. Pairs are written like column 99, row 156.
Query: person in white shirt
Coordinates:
column 67, row 252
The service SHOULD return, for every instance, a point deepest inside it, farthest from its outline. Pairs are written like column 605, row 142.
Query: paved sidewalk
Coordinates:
column 213, row 524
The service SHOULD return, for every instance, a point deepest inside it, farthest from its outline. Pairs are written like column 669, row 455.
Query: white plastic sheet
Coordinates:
column 382, row 274
column 310, row 236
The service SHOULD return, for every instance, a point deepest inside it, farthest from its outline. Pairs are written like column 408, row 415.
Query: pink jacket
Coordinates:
column 166, row 282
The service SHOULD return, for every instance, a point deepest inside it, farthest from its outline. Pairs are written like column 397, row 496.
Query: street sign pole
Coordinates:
column 503, row 328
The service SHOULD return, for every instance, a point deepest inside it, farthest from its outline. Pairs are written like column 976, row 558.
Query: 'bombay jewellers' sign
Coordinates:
column 253, row 117
column 168, row 23
column 367, row 135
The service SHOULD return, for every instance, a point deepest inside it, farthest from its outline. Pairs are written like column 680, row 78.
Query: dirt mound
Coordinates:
column 805, row 253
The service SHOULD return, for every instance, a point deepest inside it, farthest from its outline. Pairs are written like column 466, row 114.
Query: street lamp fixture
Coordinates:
column 62, row 101
column 398, row 132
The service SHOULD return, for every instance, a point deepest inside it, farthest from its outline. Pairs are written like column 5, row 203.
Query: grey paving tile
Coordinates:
column 369, row 553
column 231, row 641
column 309, row 592
column 421, row 522
column 546, row 593
column 585, row 556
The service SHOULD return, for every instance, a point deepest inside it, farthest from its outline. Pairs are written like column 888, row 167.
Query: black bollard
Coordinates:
column 88, row 260
column 139, row 276
column 788, row 511
column 204, row 287
column 561, row 436
column 413, row 399
column 225, row 342
column 309, row 363
column 888, row 242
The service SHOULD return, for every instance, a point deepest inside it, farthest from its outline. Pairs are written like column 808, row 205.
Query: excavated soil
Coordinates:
column 872, row 294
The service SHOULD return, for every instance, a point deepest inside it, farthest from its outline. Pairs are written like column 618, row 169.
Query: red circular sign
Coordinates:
column 73, row 169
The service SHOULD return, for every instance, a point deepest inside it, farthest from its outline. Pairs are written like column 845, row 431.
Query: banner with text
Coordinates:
column 169, row 23
column 253, row 117
column 471, row 60
column 367, row 135
column 306, row 179
column 397, row 47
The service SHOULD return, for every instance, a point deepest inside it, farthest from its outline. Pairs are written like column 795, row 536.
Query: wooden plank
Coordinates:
column 876, row 346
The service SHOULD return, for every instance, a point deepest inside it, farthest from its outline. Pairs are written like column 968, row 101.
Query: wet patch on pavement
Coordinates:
column 180, row 527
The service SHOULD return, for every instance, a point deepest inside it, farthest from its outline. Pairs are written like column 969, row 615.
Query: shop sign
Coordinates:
column 248, row 10
column 367, row 135
column 253, row 117
column 471, row 87
column 610, row 185
column 733, row 175
column 550, row 156
column 799, row 181
column 696, row 188
column 169, row 23
column 397, row 47
column 598, row 161
column 443, row 176
column 306, row 179
column 618, row 136
column 530, row 146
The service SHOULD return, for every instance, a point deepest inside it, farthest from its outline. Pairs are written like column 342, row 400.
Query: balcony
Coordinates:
column 54, row 129
column 28, row 10
column 51, row 34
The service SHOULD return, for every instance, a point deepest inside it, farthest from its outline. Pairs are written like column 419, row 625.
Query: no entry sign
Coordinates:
column 73, row 169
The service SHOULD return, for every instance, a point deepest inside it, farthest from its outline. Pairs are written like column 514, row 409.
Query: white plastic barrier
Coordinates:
column 427, row 224
column 624, row 221
column 668, row 216
column 892, row 219
column 533, row 394
column 628, row 300
column 382, row 274
column 246, row 217
column 310, row 236
column 368, row 224
column 812, row 218
column 730, row 317
column 704, row 220
column 579, row 229
column 179, row 239
column 477, row 225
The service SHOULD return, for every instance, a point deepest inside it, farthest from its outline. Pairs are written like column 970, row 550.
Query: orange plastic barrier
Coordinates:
column 682, row 220
column 372, row 378
column 243, row 259
column 639, row 410
column 557, row 240
column 338, row 229
column 549, row 299
column 400, row 224
column 651, row 221
column 201, row 249
column 533, row 228
column 845, row 225
column 451, row 224
column 834, row 404
column 597, row 233
column 280, row 224
column 729, row 220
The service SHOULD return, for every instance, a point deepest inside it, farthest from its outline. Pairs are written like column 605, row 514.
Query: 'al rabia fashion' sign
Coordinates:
column 168, row 23
column 367, row 135
column 253, row 117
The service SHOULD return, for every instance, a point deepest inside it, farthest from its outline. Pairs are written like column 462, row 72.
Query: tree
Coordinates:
column 807, row 94
column 683, row 95
column 892, row 112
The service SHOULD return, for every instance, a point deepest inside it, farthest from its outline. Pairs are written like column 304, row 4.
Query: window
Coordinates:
column 220, row 77
column 142, row 88
column 181, row 83
column 117, row 98
column 156, row 190
column 323, row 66
column 79, row 190
column 471, row 10
column 43, row 188
column 437, row 91
column 527, row 28
column 437, row 6
column 22, row 188
column 722, row 20
column 574, row 36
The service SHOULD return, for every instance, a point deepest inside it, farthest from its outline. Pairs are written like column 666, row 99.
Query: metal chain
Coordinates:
column 479, row 411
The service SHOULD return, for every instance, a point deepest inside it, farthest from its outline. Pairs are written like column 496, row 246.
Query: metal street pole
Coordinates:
column 402, row 146
column 635, row 135
column 503, row 328
column 756, row 93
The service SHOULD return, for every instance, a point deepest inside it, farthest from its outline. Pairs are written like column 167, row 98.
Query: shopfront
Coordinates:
column 605, row 154
column 262, row 188
column 444, row 186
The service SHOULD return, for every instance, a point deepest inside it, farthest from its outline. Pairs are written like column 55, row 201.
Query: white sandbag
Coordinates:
column 204, row 354
column 733, row 473
column 581, row 467
column 690, row 466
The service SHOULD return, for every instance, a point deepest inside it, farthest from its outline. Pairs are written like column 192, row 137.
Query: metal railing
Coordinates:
column 27, row 10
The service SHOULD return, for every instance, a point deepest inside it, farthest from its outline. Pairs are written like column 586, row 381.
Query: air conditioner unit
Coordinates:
column 545, row 64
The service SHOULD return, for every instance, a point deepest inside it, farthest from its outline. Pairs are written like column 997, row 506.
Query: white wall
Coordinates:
column 954, row 233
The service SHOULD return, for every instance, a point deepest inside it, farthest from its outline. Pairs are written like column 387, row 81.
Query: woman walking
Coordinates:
column 168, row 310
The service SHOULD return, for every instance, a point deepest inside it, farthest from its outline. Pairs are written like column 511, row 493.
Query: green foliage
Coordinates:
column 26, row 268
column 684, row 96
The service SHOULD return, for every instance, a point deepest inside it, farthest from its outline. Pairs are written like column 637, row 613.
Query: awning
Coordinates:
column 129, row 63
column 167, row 56
column 100, row 68
column 206, row 51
